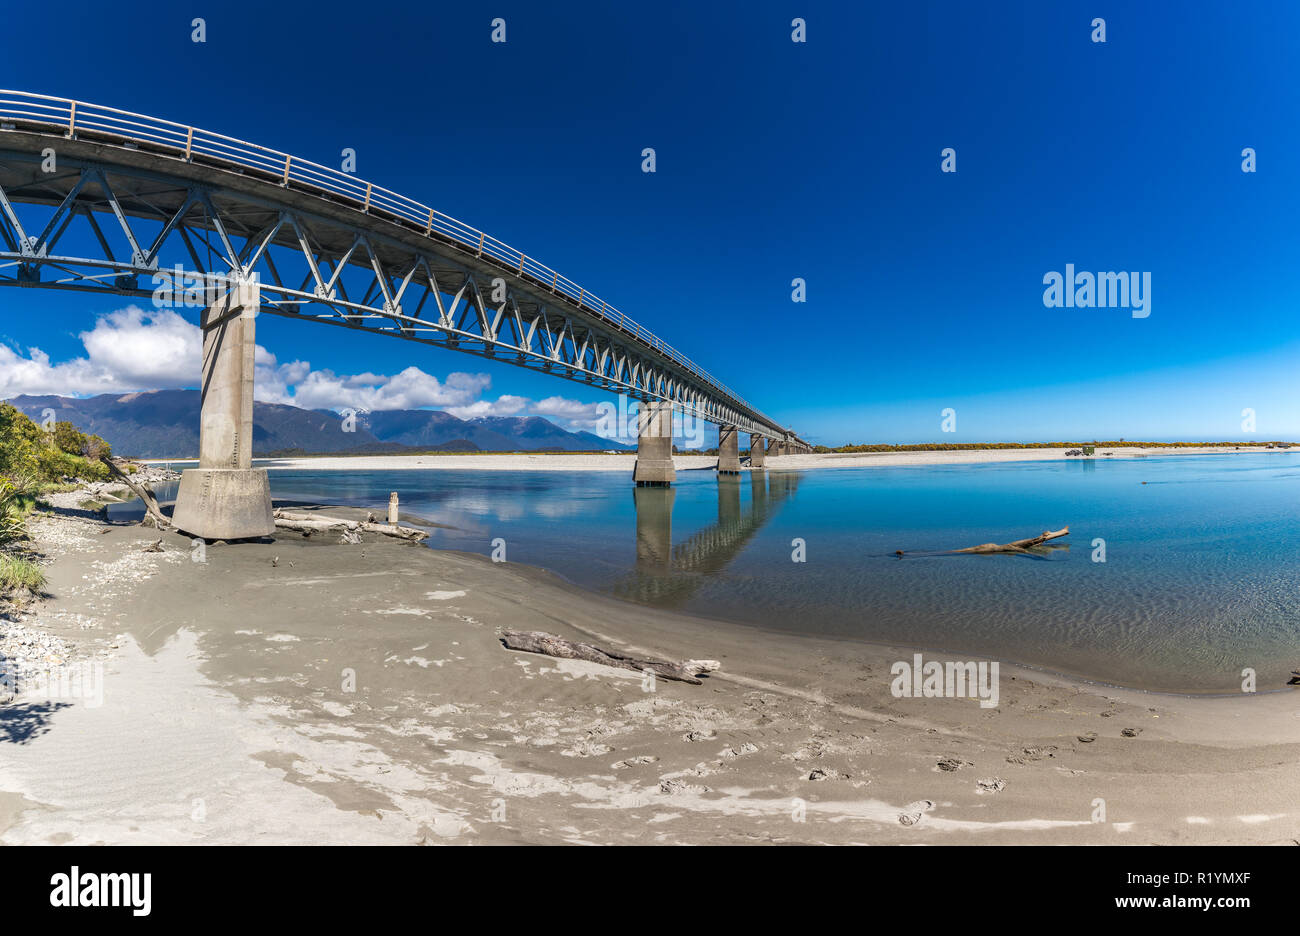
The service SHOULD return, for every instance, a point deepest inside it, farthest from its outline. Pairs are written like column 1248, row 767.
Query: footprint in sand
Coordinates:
column 674, row 787
column 587, row 748
column 1030, row 754
column 746, row 748
column 913, row 812
column 636, row 761
column 990, row 785
column 700, row 734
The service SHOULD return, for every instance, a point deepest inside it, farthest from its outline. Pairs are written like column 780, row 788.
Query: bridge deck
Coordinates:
column 252, row 185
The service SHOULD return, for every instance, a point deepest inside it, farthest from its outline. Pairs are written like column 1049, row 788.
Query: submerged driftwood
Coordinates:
column 348, row 529
column 1018, row 546
column 1023, row 545
column 550, row 645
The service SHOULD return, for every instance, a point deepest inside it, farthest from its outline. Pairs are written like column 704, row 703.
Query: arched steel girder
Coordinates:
column 317, row 258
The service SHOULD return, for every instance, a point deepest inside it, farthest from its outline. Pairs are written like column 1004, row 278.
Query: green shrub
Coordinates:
column 68, row 438
column 20, row 441
column 28, row 451
column 32, row 460
column 54, row 464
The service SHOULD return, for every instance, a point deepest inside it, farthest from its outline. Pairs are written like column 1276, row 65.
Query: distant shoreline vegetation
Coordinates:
column 866, row 448
column 36, row 459
column 977, row 446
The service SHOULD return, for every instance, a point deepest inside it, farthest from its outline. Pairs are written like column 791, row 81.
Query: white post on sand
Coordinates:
column 392, row 507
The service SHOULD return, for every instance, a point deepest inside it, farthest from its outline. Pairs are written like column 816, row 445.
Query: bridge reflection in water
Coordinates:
column 669, row 575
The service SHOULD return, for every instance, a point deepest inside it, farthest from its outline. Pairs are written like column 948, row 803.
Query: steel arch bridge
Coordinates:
column 103, row 200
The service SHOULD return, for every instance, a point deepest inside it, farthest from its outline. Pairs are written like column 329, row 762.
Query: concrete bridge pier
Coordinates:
column 757, row 454
column 225, row 497
column 654, row 445
column 776, row 447
column 728, row 450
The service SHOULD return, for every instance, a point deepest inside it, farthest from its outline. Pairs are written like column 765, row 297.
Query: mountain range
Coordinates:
column 165, row 424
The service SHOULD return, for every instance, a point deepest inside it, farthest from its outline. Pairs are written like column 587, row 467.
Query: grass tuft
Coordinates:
column 20, row 574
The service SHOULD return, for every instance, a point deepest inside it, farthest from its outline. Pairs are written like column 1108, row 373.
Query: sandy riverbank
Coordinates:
column 306, row 691
column 605, row 462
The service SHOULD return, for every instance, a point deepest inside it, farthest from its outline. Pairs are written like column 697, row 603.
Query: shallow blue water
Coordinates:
column 1200, row 578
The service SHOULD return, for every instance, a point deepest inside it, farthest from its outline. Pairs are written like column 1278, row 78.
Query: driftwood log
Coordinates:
column 1018, row 546
column 349, row 529
column 140, row 491
column 550, row 645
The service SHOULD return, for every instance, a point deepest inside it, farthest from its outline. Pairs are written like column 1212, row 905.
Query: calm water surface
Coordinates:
column 1200, row 578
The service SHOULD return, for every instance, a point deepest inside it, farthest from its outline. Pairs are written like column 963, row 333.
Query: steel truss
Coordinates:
column 318, row 256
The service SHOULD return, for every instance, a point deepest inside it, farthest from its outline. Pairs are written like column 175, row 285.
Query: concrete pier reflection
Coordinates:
column 654, row 527
column 668, row 575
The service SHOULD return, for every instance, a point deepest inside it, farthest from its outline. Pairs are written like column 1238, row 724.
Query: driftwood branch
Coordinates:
column 1023, row 545
column 1018, row 546
column 550, row 645
column 140, row 491
column 347, row 528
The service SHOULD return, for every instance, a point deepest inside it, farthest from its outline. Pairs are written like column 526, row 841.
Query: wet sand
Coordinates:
column 308, row 691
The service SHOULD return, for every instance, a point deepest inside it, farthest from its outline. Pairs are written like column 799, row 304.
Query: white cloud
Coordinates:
column 411, row 388
column 574, row 414
column 504, row 405
column 130, row 349
column 148, row 350
column 272, row 381
column 156, row 349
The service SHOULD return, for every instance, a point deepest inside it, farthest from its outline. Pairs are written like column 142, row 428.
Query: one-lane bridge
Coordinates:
column 103, row 200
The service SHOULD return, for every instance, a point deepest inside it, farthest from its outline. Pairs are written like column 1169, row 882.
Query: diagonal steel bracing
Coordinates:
column 120, row 211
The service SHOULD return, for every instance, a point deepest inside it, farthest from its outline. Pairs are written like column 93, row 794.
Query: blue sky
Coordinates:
column 778, row 160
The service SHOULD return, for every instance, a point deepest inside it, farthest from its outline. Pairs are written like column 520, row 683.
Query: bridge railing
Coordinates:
column 79, row 119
